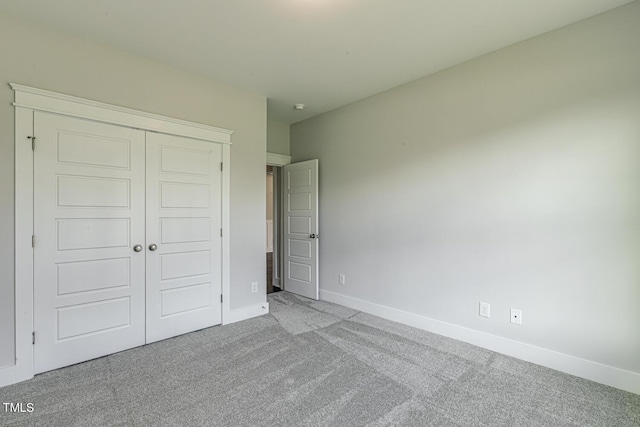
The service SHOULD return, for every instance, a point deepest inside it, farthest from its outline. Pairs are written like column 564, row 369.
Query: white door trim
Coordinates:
column 28, row 100
column 44, row 100
column 226, row 235
column 23, row 368
column 275, row 159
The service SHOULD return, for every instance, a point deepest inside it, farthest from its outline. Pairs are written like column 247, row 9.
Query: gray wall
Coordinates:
column 513, row 178
column 34, row 56
column 277, row 137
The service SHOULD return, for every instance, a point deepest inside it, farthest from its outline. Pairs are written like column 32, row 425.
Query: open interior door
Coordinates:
column 301, row 228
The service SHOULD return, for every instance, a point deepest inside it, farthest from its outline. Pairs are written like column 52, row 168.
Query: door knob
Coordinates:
column 314, row 236
column 137, row 248
column 153, row 247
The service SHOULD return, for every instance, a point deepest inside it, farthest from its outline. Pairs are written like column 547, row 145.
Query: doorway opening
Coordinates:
column 273, row 280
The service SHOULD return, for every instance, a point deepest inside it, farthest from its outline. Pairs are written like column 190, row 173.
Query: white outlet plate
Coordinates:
column 341, row 279
column 485, row 309
column 254, row 287
column 516, row 316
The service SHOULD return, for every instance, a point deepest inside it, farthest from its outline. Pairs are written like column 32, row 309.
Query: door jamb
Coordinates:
column 279, row 160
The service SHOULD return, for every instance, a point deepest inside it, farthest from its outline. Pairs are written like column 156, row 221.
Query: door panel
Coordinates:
column 301, row 228
column 184, row 230
column 89, row 294
column 183, row 220
column 83, row 319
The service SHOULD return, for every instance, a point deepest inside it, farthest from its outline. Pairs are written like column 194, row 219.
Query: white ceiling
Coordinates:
column 323, row 53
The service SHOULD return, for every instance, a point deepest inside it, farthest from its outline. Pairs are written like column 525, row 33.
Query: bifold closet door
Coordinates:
column 184, row 272
column 89, row 215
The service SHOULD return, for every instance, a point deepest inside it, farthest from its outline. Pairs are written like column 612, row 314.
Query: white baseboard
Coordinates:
column 244, row 313
column 8, row 375
column 594, row 371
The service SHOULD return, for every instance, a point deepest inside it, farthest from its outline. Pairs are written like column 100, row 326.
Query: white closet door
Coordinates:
column 184, row 271
column 89, row 296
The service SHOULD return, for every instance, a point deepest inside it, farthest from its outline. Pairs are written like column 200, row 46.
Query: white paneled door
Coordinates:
column 109, row 275
column 89, row 295
column 183, row 235
column 301, row 228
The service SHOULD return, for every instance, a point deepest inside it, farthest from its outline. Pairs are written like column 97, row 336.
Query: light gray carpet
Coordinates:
column 311, row 363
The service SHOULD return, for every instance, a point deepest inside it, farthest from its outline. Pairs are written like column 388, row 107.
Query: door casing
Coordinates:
column 27, row 100
column 278, row 161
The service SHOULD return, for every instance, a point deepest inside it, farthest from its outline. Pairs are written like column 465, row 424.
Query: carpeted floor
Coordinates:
column 311, row 363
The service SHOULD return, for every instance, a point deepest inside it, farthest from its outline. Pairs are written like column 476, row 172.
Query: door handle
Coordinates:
column 314, row 236
column 153, row 247
column 137, row 248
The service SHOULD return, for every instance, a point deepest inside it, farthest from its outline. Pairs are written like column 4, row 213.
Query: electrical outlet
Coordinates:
column 341, row 279
column 516, row 316
column 254, row 287
column 485, row 309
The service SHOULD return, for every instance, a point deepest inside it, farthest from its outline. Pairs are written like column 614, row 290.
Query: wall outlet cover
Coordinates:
column 485, row 309
column 516, row 316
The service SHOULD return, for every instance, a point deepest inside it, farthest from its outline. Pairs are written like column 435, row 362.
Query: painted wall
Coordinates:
column 513, row 178
column 277, row 137
column 34, row 56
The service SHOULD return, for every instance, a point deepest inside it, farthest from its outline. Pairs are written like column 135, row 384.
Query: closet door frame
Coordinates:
column 27, row 100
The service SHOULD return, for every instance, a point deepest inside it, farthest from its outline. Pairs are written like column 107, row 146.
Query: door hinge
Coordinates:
column 221, row 167
column 33, row 241
column 33, row 338
column 220, row 298
column 33, row 142
column 221, row 232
